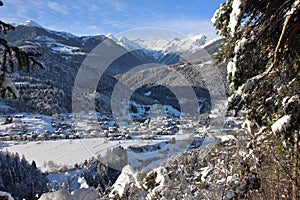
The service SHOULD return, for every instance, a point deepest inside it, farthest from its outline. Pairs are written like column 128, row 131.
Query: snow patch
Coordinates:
column 231, row 68
column 216, row 14
column 204, row 172
column 240, row 44
column 209, row 42
column 281, row 124
column 63, row 34
column 124, row 181
column 81, row 194
column 161, row 180
column 287, row 102
column 225, row 138
column 85, row 39
column 162, row 176
column 128, row 44
column 44, row 38
column 83, row 183
column 234, row 15
column 30, row 23
column 147, row 93
column 58, row 195
column 62, row 48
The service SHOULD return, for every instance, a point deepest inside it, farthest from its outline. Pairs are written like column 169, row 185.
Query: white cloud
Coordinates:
column 188, row 26
column 92, row 27
column 18, row 11
column 183, row 26
column 116, row 24
column 94, row 8
column 63, row 9
column 102, row 16
column 116, row 5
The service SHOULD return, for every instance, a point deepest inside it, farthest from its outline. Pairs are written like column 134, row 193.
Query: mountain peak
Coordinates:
column 30, row 23
column 111, row 36
column 197, row 37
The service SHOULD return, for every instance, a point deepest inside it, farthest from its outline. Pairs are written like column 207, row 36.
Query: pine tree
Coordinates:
column 261, row 44
column 20, row 178
column 12, row 59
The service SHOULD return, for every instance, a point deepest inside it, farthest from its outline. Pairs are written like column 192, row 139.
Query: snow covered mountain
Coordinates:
column 49, row 91
column 166, row 51
column 30, row 23
column 155, row 55
column 189, row 43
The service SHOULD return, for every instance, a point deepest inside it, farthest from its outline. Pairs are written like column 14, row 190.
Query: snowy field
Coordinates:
column 148, row 145
column 51, row 154
column 69, row 152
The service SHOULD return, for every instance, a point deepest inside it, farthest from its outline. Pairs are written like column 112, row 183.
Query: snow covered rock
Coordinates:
column 81, row 194
column 225, row 138
column 57, row 195
column 161, row 179
column 281, row 124
column 204, row 172
column 124, row 181
column 83, row 183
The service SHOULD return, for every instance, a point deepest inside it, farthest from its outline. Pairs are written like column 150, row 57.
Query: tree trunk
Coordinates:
column 296, row 167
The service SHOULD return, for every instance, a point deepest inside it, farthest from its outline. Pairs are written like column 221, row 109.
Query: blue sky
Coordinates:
column 93, row 17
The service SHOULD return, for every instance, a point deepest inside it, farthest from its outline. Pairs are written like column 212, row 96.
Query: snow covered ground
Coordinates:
column 70, row 152
column 145, row 150
column 33, row 123
column 51, row 154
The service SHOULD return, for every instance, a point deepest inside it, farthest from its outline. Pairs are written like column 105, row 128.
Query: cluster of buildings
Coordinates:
column 38, row 127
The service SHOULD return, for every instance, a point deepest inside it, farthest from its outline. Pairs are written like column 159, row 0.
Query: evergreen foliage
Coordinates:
column 262, row 48
column 12, row 59
column 99, row 175
column 18, row 177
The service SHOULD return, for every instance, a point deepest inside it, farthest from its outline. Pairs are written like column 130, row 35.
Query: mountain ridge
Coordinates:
column 62, row 55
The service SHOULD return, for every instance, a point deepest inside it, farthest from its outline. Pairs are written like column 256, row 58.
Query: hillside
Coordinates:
column 50, row 91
